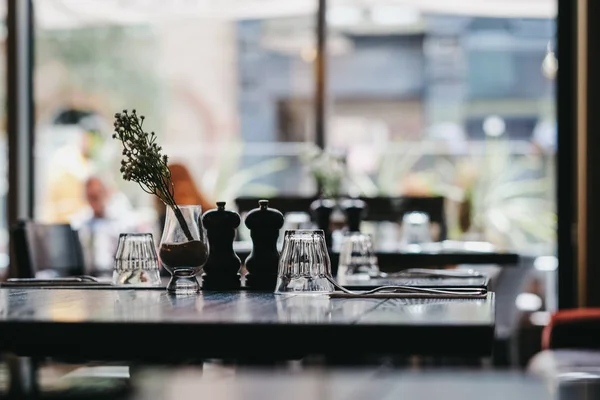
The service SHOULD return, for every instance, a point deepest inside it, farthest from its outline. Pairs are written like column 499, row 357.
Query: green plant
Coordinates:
column 396, row 162
column 508, row 197
column 504, row 197
column 327, row 168
column 226, row 179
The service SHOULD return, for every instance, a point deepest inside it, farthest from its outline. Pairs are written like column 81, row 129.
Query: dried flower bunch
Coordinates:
column 143, row 162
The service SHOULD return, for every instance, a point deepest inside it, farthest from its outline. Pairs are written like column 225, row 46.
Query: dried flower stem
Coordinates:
column 143, row 163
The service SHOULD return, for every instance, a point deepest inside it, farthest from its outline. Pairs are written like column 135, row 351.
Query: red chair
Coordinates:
column 573, row 329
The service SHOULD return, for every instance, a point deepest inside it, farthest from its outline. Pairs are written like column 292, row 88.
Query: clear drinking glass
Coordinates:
column 416, row 229
column 136, row 262
column 357, row 257
column 304, row 265
column 183, row 248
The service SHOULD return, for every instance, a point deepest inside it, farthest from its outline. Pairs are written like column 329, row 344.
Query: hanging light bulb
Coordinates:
column 550, row 63
column 308, row 54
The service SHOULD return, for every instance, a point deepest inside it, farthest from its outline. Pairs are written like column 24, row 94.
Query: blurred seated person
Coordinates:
column 185, row 193
column 107, row 215
column 71, row 163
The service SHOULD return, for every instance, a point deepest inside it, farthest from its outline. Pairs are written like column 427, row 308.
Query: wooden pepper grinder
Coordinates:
column 262, row 263
column 221, row 271
column 355, row 210
column 321, row 210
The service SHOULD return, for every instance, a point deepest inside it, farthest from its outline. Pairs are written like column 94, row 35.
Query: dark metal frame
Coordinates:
column 321, row 75
column 20, row 122
column 566, row 96
column 588, row 145
column 20, row 110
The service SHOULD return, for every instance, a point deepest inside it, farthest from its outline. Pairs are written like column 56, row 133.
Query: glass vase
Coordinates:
column 183, row 248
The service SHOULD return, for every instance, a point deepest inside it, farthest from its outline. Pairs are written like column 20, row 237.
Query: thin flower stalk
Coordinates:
column 143, row 162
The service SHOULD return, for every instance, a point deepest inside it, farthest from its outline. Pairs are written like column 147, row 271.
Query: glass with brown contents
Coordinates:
column 183, row 248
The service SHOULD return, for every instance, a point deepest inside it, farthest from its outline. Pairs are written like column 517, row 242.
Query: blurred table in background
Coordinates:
column 399, row 260
column 334, row 384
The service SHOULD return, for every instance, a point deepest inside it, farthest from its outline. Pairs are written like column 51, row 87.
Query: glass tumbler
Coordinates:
column 183, row 248
column 416, row 229
column 357, row 257
column 304, row 265
column 136, row 262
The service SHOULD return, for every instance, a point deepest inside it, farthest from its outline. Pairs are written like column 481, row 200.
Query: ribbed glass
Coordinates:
column 304, row 265
column 136, row 262
column 416, row 230
column 357, row 257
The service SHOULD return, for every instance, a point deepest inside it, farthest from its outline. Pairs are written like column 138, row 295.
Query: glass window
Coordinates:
column 424, row 102
column 417, row 99
column 4, row 257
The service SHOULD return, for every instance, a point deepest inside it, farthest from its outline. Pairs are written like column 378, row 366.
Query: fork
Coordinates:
column 410, row 291
column 433, row 273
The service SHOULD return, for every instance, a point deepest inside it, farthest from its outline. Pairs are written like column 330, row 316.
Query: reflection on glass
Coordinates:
column 138, row 305
column 184, row 304
column 304, row 309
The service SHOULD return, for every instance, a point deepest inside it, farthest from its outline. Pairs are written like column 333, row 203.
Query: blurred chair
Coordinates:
column 45, row 247
column 570, row 345
column 573, row 329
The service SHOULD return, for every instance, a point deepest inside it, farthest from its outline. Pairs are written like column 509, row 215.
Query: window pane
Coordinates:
column 212, row 83
column 4, row 258
column 427, row 102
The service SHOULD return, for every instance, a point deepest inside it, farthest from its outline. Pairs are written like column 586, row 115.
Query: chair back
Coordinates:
column 510, row 282
column 38, row 247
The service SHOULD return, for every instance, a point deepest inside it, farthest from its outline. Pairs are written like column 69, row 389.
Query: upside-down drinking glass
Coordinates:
column 136, row 262
column 415, row 230
column 357, row 257
column 304, row 265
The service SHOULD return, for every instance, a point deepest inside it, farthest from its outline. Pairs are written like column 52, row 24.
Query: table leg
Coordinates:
column 23, row 380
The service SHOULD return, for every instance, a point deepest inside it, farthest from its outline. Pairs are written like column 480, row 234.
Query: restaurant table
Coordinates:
column 151, row 324
column 398, row 261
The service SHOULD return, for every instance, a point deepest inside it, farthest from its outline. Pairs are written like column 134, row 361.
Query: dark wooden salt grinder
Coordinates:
column 355, row 211
column 221, row 271
column 262, row 263
column 321, row 210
